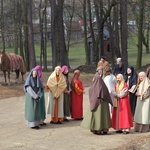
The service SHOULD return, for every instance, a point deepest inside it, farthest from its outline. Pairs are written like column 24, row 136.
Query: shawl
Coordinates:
column 148, row 72
column 57, row 86
column 98, row 92
column 39, row 69
column 133, row 77
column 30, row 81
column 143, row 85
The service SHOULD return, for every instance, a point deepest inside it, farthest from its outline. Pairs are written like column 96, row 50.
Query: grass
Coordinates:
column 77, row 53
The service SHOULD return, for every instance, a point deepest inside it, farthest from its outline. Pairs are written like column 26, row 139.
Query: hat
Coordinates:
column 99, row 68
column 119, row 59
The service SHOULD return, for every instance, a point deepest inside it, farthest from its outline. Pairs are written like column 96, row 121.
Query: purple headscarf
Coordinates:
column 39, row 69
column 63, row 68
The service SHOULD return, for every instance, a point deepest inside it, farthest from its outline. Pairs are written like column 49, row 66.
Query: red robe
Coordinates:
column 122, row 116
column 77, row 100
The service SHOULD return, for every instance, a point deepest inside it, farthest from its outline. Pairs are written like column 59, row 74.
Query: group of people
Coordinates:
column 118, row 100
column 64, row 99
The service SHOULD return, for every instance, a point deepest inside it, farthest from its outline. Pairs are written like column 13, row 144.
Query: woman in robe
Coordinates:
column 97, row 118
column 67, row 104
column 42, row 99
column 56, row 85
column 76, row 96
column 131, row 78
column 33, row 88
column 142, row 111
column 121, row 115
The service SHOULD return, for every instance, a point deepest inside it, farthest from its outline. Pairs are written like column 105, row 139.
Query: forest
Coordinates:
column 44, row 31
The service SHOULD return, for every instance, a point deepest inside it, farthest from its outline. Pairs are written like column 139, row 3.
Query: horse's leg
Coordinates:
column 17, row 75
column 9, row 77
column 22, row 74
column 5, row 77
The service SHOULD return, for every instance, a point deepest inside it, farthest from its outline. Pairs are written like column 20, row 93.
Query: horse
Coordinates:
column 11, row 62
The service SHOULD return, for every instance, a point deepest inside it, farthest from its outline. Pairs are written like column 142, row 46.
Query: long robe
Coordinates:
column 77, row 100
column 142, row 112
column 97, row 118
column 121, row 115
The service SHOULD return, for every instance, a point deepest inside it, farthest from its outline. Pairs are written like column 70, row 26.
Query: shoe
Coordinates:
column 119, row 131
column 43, row 124
column 66, row 120
column 52, row 122
column 59, row 122
column 104, row 133
column 125, row 132
column 36, row 127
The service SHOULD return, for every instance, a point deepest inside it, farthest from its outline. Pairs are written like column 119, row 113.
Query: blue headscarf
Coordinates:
column 30, row 80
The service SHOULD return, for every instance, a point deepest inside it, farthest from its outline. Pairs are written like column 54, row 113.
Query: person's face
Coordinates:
column 129, row 71
column 34, row 73
column 100, row 72
column 66, row 71
column 141, row 77
column 102, row 59
column 118, row 79
column 57, row 71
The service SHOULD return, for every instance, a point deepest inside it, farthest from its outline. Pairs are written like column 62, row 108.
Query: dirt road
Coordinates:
column 14, row 135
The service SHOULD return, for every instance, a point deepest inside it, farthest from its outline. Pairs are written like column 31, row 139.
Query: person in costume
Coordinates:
column 99, row 72
column 121, row 115
column 33, row 88
column 42, row 99
column 119, row 67
column 76, row 96
column 110, row 82
column 142, row 111
column 103, row 63
column 131, row 78
column 56, row 85
column 97, row 118
column 67, row 103
column 148, row 72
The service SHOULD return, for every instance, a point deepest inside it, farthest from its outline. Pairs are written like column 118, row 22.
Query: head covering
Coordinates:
column 148, row 72
column 75, row 76
column 39, row 69
column 144, row 84
column 119, row 59
column 119, row 86
column 30, row 80
column 99, row 68
column 97, row 91
column 57, row 84
column 64, row 68
column 133, row 77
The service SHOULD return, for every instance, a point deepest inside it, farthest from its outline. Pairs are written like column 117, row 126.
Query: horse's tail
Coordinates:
column 22, row 65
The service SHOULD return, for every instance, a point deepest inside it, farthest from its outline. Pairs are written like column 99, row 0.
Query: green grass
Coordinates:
column 77, row 53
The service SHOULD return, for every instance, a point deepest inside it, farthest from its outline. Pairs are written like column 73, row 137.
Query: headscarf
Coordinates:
column 98, row 91
column 75, row 77
column 39, row 69
column 148, row 72
column 63, row 68
column 119, row 86
column 30, row 80
column 133, row 77
column 144, row 84
column 56, row 87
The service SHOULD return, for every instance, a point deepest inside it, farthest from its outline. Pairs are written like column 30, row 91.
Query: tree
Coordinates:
column 124, row 31
column 32, row 58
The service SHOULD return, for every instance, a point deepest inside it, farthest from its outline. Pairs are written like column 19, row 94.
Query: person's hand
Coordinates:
column 37, row 99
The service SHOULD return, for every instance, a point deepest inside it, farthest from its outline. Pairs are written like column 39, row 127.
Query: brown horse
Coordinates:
column 10, row 62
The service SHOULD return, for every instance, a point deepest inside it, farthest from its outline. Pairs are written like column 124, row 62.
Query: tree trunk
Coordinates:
column 32, row 57
column 140, row 34
column 124, row 30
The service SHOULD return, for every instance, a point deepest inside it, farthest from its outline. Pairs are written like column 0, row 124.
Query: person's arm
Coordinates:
column 31, row 92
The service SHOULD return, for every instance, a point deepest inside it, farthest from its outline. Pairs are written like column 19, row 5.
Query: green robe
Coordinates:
column 97, row 119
